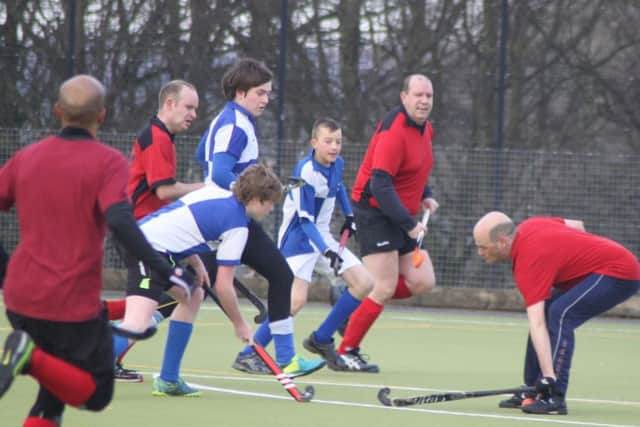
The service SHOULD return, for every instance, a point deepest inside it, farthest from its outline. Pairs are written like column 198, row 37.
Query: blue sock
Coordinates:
column 340, row 312
column 262, row 336
column 120, row 345
column 177, row 340
column 285, row 350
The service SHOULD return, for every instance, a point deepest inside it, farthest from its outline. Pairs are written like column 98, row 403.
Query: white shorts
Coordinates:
column 302, row 265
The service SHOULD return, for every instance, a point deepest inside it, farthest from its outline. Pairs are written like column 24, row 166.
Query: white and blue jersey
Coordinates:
column 230, row 143
column 307, row 210
column 204, row 220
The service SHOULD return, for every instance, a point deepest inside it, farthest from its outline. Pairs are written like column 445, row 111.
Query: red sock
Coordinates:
column 115, row 309
column 65, row 381
column 38, row 422
column 402, row 291
column 359, row 324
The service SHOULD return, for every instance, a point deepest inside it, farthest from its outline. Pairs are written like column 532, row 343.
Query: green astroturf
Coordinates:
column 420, row 351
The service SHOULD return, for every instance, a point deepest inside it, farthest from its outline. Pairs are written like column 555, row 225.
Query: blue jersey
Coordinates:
column 307, row 210
column 231, row 141
column 204, row 220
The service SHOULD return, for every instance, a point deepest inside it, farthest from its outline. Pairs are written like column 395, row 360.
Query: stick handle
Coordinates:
column 344, row 237
column 423, row 221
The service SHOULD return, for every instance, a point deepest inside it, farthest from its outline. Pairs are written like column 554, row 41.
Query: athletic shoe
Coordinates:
column 251, row 363
column 18, row 348
column 124, row 375
column 516, row 401
column 173, row 388
column 299, row 367
column 354, row 361
column 554, row 405
column 327, row 351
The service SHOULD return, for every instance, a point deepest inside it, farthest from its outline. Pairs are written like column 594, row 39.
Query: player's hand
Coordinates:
column 335, row 262
column 547, row 387
column 430, row 204
column 415, row 231
column 349, row 224
column 244, row 332
column 182, row 279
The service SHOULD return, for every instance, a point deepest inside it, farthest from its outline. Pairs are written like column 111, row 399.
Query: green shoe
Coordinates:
column 299, row 367
column 173, row 388
column 18, row 348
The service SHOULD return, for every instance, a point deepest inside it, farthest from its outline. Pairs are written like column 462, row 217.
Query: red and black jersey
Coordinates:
column 153, row 163
column 401, row 148
column 61, row 187
column 547, row 253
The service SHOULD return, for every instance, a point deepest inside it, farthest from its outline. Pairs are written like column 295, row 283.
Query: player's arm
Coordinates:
column 304, row 202
column 202, row 276
column 428, row 201
column 574, row 223
column 229, row 300
column 176, row 190
column 385, row 193
column 7, row 195
column 540, row 338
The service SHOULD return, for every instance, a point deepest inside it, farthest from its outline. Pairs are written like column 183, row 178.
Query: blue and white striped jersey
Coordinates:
column 307, row 210
column 233, row 132
column 207, row 219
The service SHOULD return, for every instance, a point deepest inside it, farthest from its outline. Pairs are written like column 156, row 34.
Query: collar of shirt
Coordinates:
column 409, row 121
column 75, row 133
column 234, row 105
column 156, row 121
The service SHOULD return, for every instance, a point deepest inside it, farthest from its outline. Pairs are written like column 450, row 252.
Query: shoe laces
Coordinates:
column 362, row 358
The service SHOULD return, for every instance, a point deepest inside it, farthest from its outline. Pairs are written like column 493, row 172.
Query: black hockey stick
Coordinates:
column 253, row 298
column 383, row 396
column 294, row 182
column 147, row 333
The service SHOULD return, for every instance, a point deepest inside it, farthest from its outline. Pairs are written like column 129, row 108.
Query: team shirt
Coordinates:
column 204, row 220
column 401, row 148
column 153, row 163
column 232, row 132
column 547, row 253
column 61, row 186
column 307, row 210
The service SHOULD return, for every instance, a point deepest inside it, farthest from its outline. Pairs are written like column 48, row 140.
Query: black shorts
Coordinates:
column 87, row 345
column 143, row 281
column 376, row 232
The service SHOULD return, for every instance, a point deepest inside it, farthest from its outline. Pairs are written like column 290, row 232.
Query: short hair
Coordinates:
column 172, row 89
column 257, row 181
column 407, row 80
column 502, row 229
column 81, row 99
column 326, row 122
column 245, row 74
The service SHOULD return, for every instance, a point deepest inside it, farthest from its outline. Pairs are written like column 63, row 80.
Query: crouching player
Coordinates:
column 204, row 220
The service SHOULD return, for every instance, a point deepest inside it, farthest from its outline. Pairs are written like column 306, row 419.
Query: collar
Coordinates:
column 75, row 133
column 156, row 121
column 234, row 105
column 316, row 164
column 409, row 121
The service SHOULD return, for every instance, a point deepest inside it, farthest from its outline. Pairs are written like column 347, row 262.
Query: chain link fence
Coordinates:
column 600, row 188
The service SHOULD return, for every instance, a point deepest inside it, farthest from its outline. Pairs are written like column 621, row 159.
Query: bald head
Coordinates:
column 81, row 102
column 493, row 234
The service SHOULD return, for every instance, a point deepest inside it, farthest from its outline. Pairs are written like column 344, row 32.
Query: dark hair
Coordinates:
column 257, row 181
column 245, row 74
column 326, row 122
column 172, row 88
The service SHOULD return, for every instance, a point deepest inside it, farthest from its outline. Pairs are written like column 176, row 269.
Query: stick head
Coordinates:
column 418, row 257
column 294, row 182
column 383, row 396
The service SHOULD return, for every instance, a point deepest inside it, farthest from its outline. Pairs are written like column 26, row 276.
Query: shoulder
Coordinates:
column 392, row 119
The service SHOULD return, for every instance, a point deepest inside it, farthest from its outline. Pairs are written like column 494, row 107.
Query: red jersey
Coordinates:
column 401, row 148
column 547, row 253
column 153, row 163
column 61, row 187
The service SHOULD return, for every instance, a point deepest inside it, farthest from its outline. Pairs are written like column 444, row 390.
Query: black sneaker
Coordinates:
column 251, row 363
column 124, row 375
column 554, row 405
column 327, row 351
column 515, row 401
column 18, row 348
column 354, row 361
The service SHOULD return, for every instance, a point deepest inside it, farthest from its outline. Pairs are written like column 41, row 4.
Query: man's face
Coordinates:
column 492, row 252
column 327, row 144
column 254, row 100
column 418, row 99
column 182, row 110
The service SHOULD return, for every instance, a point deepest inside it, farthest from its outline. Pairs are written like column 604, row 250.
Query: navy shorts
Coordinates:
column 376, row 232
column 143, row 281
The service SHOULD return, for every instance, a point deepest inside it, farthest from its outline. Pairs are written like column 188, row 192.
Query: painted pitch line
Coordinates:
column 429, row 411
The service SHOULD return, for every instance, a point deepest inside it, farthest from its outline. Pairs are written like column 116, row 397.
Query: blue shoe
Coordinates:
column 299, row 367
column 173, row 388
column 18, row 348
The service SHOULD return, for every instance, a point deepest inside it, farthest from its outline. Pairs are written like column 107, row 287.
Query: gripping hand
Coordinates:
column 183, row 279
column 547, row 387
column 349, row 224
column 334, row 260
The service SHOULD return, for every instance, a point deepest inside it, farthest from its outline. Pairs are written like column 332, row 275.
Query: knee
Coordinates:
column 361, row 287
column 424, row 286
column 297, row 302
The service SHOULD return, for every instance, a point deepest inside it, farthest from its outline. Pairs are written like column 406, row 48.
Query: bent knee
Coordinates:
column 422, row 286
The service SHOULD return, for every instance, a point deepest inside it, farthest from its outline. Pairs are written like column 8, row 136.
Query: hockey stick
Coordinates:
column 137, row 336
column 418, row 256
column 294, row 182
column 383, row 396
column 344, row 237
column 253, row 298
column 284, row 379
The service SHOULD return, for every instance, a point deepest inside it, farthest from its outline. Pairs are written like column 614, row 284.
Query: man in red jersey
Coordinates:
column 67, row 189
column 390, row 188
column 152, row 185
column 566, row 277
